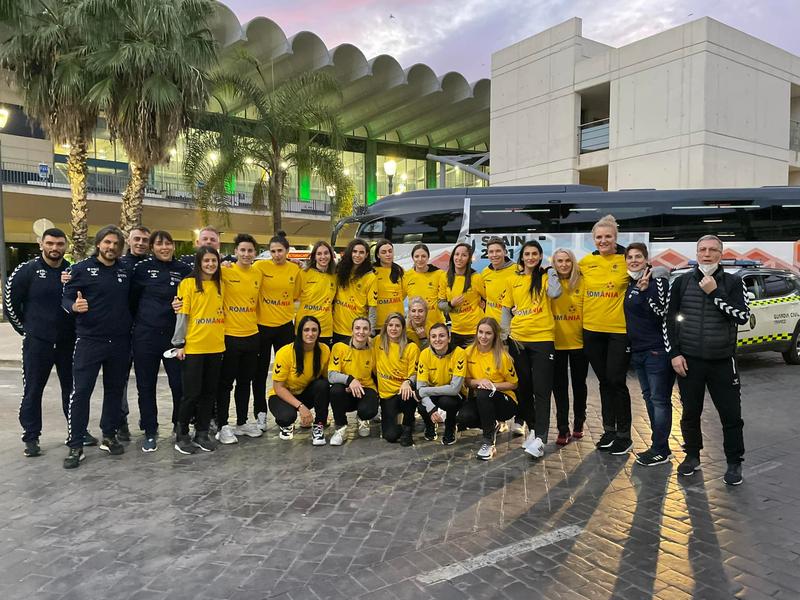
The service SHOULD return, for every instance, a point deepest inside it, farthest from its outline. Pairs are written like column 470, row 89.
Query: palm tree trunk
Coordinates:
column 79, row 210
column 133, row 198
column 275, row 193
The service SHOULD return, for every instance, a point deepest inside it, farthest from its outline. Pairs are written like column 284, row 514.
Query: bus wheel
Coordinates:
column 792, row 355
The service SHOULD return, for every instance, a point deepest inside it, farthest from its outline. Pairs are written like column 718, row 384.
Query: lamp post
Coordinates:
column 390, row 168
column 331, row 191
column 4, row 114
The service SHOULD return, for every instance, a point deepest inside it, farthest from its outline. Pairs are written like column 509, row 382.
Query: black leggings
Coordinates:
column 483, row 409
column 610, row 356
column 534, row 364
column 391, row 408
column 314, row 396
column 575, row 364
column 239, row 365
column 342, row 402
column 450, row 404
column 269, row 339
column 462, row 340
column 200, row 381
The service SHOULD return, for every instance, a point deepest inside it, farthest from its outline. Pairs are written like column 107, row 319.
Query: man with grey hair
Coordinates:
column 706, row 306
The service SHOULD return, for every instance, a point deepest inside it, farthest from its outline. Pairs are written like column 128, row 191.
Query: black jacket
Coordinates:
column 644, row 314
column 107, row 291
column 153, row 286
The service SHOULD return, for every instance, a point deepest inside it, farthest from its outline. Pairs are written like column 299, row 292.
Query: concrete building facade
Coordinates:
column 701, row 105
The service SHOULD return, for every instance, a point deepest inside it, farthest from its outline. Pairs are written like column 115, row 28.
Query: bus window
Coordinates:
column 579, row 218
column 372, row 230
column 427, row 227
column 740, row 220
column 503, row 217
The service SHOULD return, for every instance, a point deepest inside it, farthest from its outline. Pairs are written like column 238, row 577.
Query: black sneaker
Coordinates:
column 32, row 449
column 184, row 445
column 112, row 446
column 430, row 431
column 74, row 458
column 689, row 465
column 89, row 439
column 606, row 440
column 406, row 439
column 449, row 437
column 620, row 446
column 205, row 443
column 124, row 433
column 649, row 458
column 733, row 476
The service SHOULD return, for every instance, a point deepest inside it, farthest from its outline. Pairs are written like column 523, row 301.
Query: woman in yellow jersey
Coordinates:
column 461, row 294
column 570, row 360
column 605, row 342
column 495, row 275
column 317, row 289
column 395, row 368
column 526, row 308
column 417, row 330
column 424, row 280
column 388, row 281
column 355, row 291
column 300, row 383
column 491, row 380
column 200, row 339
column 440, row 377
column 241, row 285
column 352, row 385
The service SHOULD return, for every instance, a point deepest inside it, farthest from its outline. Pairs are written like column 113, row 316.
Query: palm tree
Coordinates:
column 270, row 142
column 151, row 57
column 45, row 58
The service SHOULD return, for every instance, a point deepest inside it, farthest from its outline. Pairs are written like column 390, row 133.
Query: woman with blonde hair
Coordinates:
column 417, row 330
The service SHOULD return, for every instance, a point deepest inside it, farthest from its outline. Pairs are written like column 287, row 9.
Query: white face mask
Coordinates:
column 636, row 275
column 708, row 269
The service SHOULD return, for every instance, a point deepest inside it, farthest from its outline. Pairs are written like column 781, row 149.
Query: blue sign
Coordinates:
column 44, row 171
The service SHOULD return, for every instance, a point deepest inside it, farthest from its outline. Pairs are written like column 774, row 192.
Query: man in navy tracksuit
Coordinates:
column 98, row 295
column 33, row 307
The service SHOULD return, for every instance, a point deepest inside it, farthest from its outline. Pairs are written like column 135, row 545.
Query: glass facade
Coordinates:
column 409, row 175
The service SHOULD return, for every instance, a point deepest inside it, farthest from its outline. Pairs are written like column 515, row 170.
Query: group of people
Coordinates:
column 472, row 350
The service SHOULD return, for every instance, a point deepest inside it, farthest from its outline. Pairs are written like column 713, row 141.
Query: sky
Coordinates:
column 461, row 35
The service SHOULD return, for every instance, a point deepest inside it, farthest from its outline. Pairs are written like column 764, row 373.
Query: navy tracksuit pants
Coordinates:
column 148, row 353
column 38, row 359
column 113, row 355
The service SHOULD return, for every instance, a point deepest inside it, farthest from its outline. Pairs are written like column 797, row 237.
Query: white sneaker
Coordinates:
column 249, row 429
column 486, row 452
column 262, row 421
column 318, row 435
column 516, row 428
column 529, row 439
column 287, row 433
column 363, row 428
column 535, row 448
column 226, row 435
column 339, row 436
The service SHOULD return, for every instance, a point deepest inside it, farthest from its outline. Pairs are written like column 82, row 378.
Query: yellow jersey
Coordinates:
column 205, row 330
column 353, row 301
column 605, row 281
column 392, row 369
column 426, row 286
column 389, row 295
column 466, row 316
column 533, row 319
column 568, row 316
column 284, row 369
column 353, row 362
column 317, row 291
column 280, row 287
column 439, row 370
column 240, row 300
column 412, row 336
column 481, row 365
column 495, row 282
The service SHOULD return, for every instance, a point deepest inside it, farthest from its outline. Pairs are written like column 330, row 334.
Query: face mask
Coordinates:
column 636, row 275
column 707, row 269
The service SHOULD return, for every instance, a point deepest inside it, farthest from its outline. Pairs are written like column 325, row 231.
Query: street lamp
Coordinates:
column 4, row 114
column 331, row 191
column 390, row 168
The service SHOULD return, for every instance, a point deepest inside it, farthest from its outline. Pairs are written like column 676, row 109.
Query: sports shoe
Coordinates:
column 689, row 466
column 606, row 440
column 32, row 449
column 648, row 458
column 502, row 426
column 150, row 444
column 620, row 446
column 184, row 445
column 516, row 428
column 124, row 432
column 287, row 433
column 226, row 436
column 562, row 439
column 363, row 428
column 261, row 421
column 112, row 446
column 577, row 431
column 339, row 436
column 733, row 476
column 318, row 435
column 530, row 439
column 74, row 458
column 249, row 429
column 431, row 431
column 89, row 439
column 535, row 448
column 486, row 451
column 406, row 438
column 204, row 442
column 449, row 437
column 213, row 428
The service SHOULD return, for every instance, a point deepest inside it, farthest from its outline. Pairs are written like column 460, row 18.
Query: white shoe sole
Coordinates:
column 318, row 442
column 226, row 441
column 251, row 434
column 535, row 450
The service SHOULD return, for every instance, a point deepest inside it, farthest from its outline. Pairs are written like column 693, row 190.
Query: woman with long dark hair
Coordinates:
column 461, row 295
column 299, row 383
column 317, row 289
column 424, row 281
column 200, row 339
column 355, row 291
column 388, row 282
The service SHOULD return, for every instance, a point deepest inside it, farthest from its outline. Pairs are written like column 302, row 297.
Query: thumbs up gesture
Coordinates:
column 81, row 305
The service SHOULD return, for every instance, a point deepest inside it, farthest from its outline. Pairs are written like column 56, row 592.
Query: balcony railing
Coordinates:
column 593, row 136
column 794, row 136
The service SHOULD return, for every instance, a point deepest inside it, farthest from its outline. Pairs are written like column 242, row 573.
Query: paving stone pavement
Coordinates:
column 287, row 521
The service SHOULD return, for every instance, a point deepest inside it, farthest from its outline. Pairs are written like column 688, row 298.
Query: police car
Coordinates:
column 774, row 297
